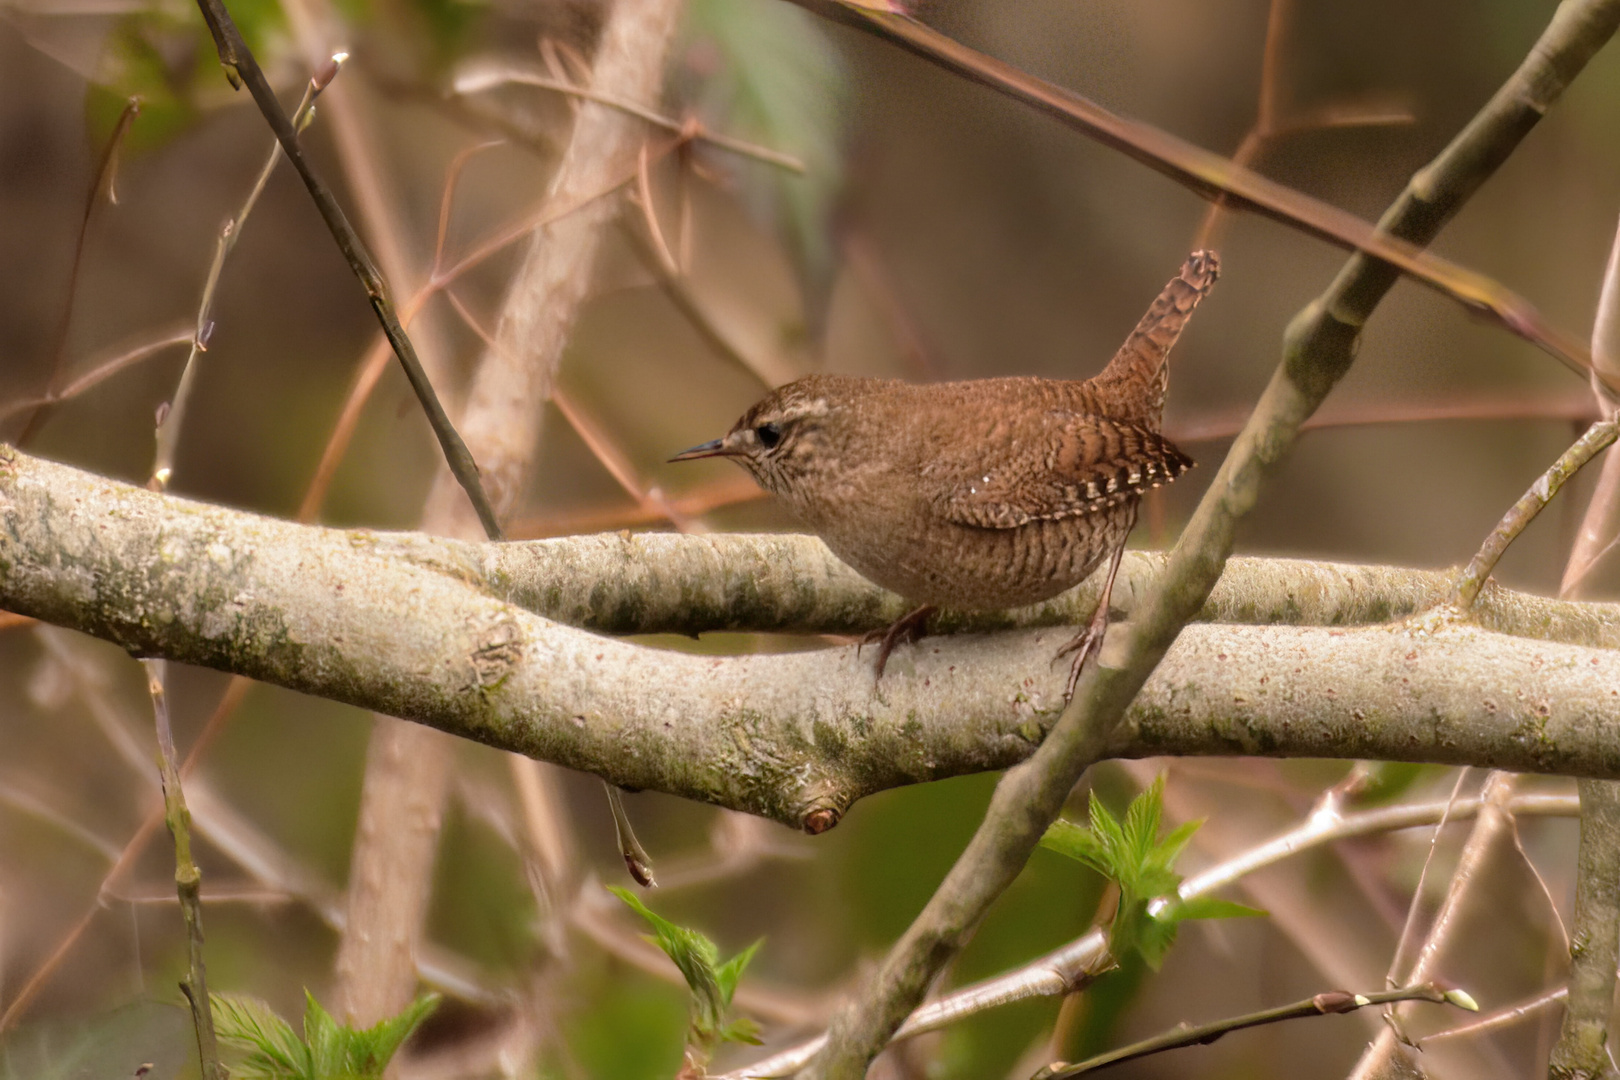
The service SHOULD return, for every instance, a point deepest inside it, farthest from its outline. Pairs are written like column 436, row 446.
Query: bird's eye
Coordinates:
column 769, row 435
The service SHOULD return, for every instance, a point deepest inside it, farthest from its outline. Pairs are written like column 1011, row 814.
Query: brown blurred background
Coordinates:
column 944, row 232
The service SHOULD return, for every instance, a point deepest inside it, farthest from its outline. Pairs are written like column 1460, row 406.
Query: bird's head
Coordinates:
column 788, row 435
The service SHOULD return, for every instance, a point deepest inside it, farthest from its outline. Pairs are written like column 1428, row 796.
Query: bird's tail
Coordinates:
column 1133, row 385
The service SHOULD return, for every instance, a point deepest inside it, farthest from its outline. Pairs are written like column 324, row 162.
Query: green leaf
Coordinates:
column 1080, row 844
column 1170, row 848
column 326, row 1045
column 1125, row 932
column 1154, row 881
column 730, row 972
column 695, row 956
column 327, row 1051
column 275, row 1052
column 1212, row 907
column 1142, row 819
column 1109, row 834
column 741, row 1030
column 366, row 1053
column 1154, row 938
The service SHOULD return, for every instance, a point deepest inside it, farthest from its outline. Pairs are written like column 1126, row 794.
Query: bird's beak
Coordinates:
column 712, row 448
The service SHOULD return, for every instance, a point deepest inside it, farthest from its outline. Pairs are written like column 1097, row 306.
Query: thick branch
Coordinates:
column 666, row 583
column 797, row 737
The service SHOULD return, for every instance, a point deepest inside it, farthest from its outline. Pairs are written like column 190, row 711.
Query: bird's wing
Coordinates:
column 1061, row 464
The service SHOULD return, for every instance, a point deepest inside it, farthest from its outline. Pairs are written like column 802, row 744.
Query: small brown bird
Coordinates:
column 990, row 493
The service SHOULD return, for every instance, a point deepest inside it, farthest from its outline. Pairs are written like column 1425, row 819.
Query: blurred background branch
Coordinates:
column 940, row 230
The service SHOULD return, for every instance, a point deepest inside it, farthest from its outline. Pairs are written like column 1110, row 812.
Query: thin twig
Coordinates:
column 1541, row 883
column 102, row 370
column 241, row 67
column 771, row 370
column 1268, row 125
column 1335, row 1001
column 492, row 74
column 649, row 214
column 375, row 360
column 1492, row 822
column 1053, row 974
column 728, row 491
column 173, row 421
column 1473, row 577
column 1222, row 426
column 187, row 880
column 1586, row 25
column 1403, row 944
column 1501, row 1018
column 106, row 173
column 24, row 803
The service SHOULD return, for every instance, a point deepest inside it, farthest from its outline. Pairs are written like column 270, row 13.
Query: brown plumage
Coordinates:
column 989, row 493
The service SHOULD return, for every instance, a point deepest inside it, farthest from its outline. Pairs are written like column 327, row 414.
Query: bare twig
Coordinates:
column 1600, row 528
column 650, row 501
column 372, row 366
column 1268, row 122
column 170, row 423
column 1598, row 436
column 728, row 491
column 240, row 68
column 1563, row 409
column 173, row 421
column 487, row 74
column 1501, row 1018
column 1055, row 973
column 1404, row 943
column 1335, row 1001
column 391, row 867
column 187, row 880
column 102, row 185
column 102, row 370
column 1583, row 27
column 1492, row 823
column 769, row 368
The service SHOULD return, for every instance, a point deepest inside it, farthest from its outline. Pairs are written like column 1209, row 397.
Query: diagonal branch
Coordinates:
column 1058, row 972
column 240, row 68
column 1578, row 29
column 1532, row 502
column 1318, row 349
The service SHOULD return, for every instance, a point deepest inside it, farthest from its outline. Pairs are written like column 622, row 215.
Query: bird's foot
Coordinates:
column 1083, row 645
column 905, row 630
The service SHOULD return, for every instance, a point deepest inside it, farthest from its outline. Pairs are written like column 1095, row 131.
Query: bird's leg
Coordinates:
column 906, row 629
column 1090, row 640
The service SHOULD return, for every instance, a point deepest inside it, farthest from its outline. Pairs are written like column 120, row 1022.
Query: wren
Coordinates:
column 988, row 493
